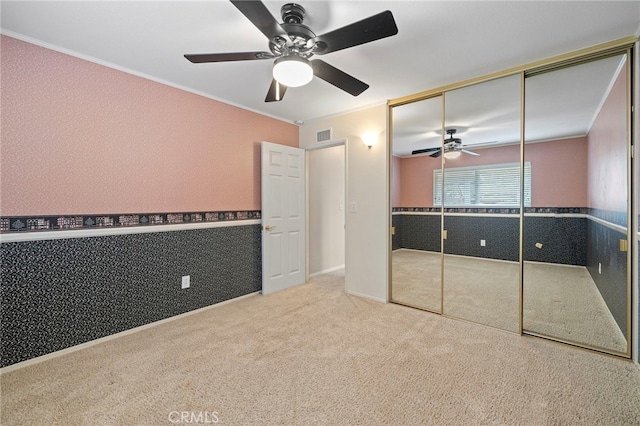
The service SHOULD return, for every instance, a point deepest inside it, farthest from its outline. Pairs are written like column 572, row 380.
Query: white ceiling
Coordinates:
column 438, row 43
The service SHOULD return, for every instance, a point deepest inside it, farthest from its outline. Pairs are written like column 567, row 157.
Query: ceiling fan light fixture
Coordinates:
column 452, row 155
column 292, row 71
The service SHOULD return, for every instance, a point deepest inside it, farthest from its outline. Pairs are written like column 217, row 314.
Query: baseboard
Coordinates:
column 417, row 250
column 326, row 271
column 366, row 296
column 91, row 343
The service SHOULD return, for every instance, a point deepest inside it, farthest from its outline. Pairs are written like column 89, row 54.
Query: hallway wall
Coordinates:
column 326, row 173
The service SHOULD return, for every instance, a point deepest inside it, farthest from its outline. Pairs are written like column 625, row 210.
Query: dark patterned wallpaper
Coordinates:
column 395, row 238
column 565, row 240
column 59, row 293
column 422, row 232
column 418, row 232
column 501, row 235
column 603, row 247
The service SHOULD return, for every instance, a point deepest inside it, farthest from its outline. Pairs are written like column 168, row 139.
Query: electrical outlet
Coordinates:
column 483, row 243
column 186, row 281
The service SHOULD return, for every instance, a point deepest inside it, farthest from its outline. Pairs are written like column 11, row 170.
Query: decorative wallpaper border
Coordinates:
column 614, row 217
column 416, row 209
column 67, row 222
column 484, row 210
column 557, row 210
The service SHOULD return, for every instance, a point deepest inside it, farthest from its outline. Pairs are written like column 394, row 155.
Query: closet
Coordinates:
column 511, row 200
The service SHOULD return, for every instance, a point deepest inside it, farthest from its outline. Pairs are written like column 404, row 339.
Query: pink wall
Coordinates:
column 608, row 151
column 558, row 172
column 81, row 138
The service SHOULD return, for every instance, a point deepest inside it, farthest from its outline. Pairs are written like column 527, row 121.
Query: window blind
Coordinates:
column 496, row 185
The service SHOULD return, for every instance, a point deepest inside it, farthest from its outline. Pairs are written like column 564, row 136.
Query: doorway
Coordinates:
column 326, row 209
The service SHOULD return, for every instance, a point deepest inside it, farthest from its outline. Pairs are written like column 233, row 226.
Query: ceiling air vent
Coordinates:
column 323, row 135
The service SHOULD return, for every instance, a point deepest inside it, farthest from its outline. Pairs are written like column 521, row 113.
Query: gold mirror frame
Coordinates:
column 616, row 47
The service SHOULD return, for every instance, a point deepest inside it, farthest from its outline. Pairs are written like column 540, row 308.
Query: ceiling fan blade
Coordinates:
column 469, row 152
column 369, row 29
column 276, row 92
column 338, row 78
column 436, row 154
column 422, row 151
column 483, row 144
column 199, row 58
column 260, row 16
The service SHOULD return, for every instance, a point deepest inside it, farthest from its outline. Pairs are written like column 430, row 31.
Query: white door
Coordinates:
column 283, row 216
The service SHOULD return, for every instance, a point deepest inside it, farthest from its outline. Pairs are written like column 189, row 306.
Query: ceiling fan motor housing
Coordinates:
column 298, row 43
column 450, row 139
column 292, row 13
column 300, row 36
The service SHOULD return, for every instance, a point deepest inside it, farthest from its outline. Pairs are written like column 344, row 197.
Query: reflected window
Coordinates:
column 495, row 185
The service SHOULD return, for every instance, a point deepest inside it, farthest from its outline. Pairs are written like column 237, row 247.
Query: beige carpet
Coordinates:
column 314, row 355
column 564, row 302
column 479, row 290
column 415, row 278
column 482, row 291
column 559, row 301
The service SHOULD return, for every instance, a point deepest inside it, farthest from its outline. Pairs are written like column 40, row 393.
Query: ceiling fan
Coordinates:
column 291, row 44
column 452, row 148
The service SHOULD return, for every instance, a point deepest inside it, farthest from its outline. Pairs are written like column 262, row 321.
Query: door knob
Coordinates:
column 269, row 227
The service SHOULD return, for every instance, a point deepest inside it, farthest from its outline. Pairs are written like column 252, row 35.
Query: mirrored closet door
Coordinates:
column 480, row 191
column 511, row 201
column 416, row 258
column 576, row 285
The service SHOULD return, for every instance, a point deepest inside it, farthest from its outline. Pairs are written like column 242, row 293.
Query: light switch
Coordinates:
column 354, row 207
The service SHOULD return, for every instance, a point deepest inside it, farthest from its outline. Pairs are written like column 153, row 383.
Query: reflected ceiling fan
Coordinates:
column 452, row 148
column 292, row 44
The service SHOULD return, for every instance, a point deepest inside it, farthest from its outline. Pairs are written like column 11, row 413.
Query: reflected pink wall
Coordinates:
column 416, row 181
column 608, row 151
column 81, row 138
column 395, row 181
column 558, row 172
